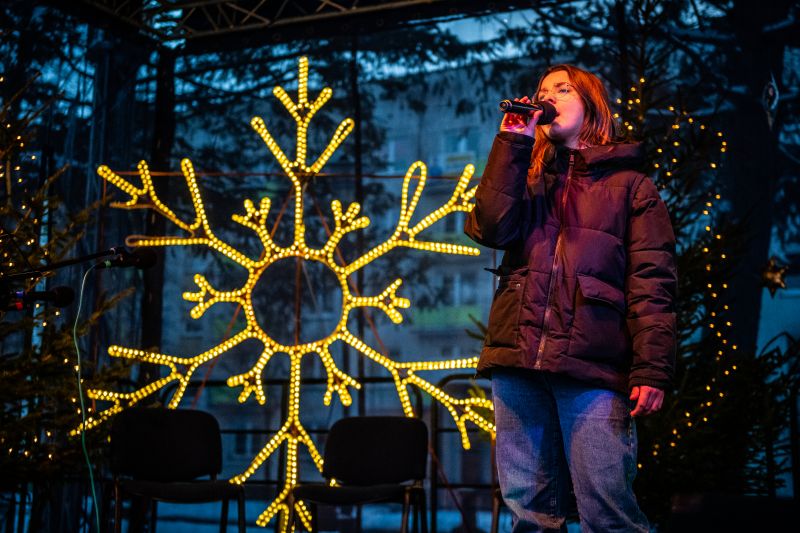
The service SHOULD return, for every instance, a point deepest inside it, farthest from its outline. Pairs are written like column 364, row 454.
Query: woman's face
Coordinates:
column 566, row 128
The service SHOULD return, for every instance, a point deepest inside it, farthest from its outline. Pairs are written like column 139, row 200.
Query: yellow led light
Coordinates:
column 711, row 325
column 198, row 232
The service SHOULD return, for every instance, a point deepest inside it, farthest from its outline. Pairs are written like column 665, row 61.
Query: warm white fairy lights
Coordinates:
column 668, row 163
column 199, row 233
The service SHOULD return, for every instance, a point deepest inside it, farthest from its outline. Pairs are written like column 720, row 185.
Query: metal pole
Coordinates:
column 359, row 193
column 163, row 137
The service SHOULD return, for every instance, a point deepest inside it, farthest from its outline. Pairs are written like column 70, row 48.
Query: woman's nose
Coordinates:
column 550, row 98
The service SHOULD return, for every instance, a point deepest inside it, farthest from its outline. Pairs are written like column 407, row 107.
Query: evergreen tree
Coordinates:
column 722, row 426
column 38, row 362
column 670, row 67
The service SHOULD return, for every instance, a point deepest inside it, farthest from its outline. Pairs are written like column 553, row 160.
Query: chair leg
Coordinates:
column 153, row 504
column 406, row 505
column 240, row 509
column 290, row 520
column 223, row 519
column 423, row 511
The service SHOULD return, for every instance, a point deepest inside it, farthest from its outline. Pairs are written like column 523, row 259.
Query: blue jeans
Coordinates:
column 552, row 428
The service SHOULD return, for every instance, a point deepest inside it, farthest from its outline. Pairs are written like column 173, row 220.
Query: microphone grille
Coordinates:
column 548, row 113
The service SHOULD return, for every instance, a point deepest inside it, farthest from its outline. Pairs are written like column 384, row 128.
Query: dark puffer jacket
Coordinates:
column 588, row 279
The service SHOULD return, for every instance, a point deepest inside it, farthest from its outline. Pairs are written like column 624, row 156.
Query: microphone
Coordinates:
column 58, row 296
column 548, row 110
column 39, row 272
column 141, row 258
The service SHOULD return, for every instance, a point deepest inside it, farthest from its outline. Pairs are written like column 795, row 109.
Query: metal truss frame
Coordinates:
column 205, row 25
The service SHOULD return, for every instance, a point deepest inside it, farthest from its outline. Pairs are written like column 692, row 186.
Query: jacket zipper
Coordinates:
column 555, row 267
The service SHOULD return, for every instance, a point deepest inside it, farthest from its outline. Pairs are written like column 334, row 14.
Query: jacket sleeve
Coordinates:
column 496, row 219
column 650, row 288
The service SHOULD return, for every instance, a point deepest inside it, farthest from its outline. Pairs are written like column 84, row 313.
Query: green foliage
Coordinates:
column 663, row 68
column 38, row 380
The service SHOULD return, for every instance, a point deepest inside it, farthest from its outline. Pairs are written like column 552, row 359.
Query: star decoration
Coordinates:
column 198, row 232
column 773, row 276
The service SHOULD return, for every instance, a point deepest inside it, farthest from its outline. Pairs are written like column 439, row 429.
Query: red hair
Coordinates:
column 598, row 124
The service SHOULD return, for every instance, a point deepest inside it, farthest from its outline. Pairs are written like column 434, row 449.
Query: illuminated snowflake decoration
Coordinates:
column 199, row 233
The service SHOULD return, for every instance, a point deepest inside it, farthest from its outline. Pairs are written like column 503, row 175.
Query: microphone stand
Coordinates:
column 5, row 280
column 61, row 264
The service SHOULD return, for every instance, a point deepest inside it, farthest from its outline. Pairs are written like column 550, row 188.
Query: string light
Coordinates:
column 668, row 164
column 199, row 233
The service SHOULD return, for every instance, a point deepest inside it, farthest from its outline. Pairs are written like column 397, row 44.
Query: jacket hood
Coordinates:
column 616, row 156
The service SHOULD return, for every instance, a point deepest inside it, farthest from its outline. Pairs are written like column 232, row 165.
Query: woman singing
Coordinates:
column 581, row 334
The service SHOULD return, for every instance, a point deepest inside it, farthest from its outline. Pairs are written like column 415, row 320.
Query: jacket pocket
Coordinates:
column 503, row 328
column 598, row 329
column 592, row 288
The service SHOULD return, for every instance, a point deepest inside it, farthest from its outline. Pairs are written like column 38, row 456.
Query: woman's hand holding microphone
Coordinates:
column 516, row 123
column 524, row 120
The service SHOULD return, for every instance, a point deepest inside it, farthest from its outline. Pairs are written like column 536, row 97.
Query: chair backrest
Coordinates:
column 159, row 444
column 372, row 450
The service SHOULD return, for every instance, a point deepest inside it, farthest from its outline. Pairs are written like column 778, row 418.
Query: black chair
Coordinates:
column 157, row 455
column 373, row 459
